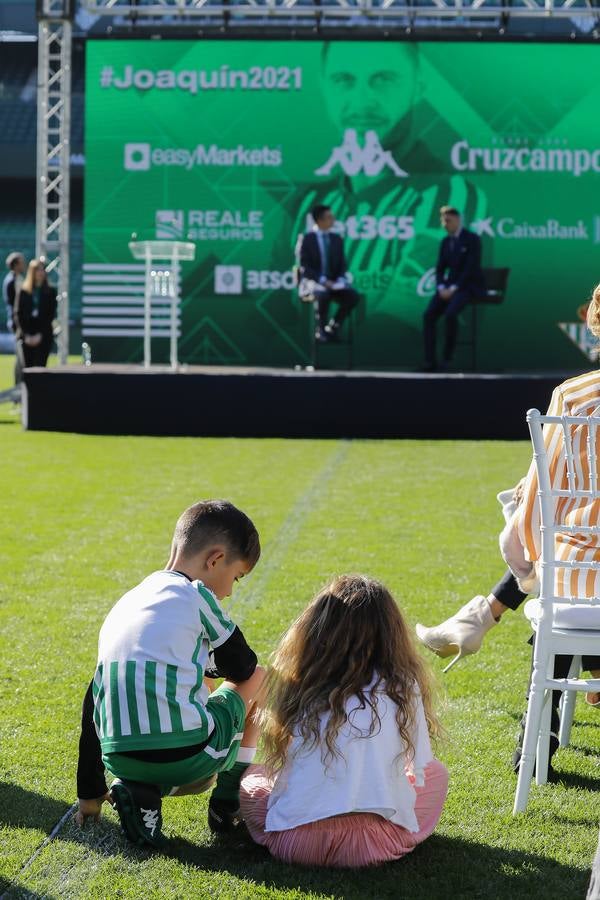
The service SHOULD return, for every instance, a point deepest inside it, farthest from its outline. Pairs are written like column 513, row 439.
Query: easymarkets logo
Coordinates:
column 141, row 157
column 465, row 158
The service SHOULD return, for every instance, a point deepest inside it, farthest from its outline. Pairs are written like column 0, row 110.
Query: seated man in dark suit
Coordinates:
column 459, row 279
column 322, row 262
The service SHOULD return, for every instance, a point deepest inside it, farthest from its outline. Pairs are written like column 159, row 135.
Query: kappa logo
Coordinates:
column 150, row 817
column 353, row 159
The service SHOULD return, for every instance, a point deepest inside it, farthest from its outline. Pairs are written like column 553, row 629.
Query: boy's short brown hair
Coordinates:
column 217, row 522
column 449, row 211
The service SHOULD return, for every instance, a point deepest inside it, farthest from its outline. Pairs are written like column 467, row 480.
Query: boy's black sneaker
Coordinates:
column 518, row 752
column 139, row 808
column 222, row 819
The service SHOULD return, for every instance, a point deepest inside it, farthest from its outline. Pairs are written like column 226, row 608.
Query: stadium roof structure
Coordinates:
column 411, row 10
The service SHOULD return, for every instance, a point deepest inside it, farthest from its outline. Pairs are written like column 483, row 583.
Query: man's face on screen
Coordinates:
column 369, row 87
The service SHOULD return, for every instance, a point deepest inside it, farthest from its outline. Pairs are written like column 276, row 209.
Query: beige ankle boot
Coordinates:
column 462, row 632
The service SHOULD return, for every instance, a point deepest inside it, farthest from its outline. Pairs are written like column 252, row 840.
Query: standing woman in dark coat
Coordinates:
column 35, row 310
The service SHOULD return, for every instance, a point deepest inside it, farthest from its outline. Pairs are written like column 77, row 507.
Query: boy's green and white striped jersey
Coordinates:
column 152, row 653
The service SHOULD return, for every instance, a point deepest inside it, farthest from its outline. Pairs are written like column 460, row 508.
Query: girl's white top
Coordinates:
column 373, row 774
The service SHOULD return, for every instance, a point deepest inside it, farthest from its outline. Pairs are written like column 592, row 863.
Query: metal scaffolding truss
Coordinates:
column 336, row 10
column 53, row 152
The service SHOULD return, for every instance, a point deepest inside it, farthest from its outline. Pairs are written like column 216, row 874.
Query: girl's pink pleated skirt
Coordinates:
column 349, row 841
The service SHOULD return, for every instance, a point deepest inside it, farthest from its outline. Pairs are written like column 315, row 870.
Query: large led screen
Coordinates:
column 230, row 143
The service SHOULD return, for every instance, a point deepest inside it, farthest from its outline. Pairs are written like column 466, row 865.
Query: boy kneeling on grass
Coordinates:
column 148, row 716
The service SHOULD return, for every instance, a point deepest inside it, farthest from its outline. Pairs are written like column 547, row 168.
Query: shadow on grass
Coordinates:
column 577, row 723
column 588, row 723
column 570, row 820
column 585, row 751
column 441, row 866
column 20, row 808
column 570, row 780
column 14, row 892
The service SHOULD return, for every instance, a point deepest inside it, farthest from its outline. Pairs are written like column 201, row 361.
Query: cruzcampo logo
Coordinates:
column 353, row 159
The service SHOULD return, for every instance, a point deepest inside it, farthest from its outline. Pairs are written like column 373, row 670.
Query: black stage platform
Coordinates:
column 244, row 402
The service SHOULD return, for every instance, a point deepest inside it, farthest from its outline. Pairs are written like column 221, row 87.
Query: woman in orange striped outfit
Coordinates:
column 520, row 541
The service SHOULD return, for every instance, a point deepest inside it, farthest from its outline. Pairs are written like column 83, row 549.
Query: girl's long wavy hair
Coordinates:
column 350, row 636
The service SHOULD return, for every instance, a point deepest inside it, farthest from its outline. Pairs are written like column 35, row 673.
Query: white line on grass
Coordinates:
column 62, row 821
column 278, row 548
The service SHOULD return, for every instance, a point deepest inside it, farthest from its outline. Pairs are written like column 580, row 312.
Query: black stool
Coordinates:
column 496, row 282
column 344, row 338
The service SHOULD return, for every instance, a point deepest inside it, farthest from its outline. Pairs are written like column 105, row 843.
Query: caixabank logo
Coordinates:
column 510, row 228
column 233, row 280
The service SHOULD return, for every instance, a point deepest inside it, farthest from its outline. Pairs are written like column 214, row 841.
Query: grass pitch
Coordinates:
column 85, row 518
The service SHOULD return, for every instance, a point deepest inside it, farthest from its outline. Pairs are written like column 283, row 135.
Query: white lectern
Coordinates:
column 160, row 283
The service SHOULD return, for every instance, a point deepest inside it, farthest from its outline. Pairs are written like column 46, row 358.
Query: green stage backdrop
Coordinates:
column 230, row 143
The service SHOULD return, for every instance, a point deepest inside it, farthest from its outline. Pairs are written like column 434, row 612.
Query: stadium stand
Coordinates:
column 17, row 17
column 18, row 120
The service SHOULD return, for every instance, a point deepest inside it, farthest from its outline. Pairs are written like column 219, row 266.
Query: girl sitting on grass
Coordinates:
column 349, row 777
